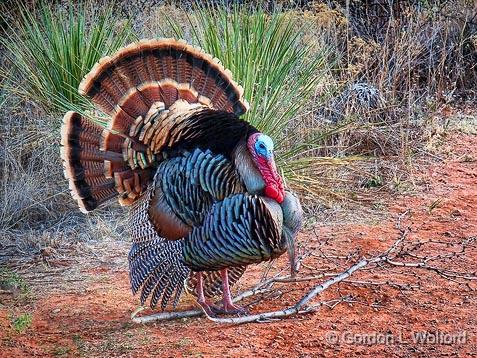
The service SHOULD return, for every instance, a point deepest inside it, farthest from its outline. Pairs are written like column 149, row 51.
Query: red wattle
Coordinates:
column 273, row 193
column 273, row 182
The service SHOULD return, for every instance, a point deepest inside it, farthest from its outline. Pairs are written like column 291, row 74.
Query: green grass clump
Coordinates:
column 50, row 49
column 11, row 281
column 268, row 56
column 21, row 323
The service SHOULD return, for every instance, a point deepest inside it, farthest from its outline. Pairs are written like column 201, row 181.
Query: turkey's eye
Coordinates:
column 261, row 146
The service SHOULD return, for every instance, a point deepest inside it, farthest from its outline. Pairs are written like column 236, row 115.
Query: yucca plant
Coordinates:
column 279, row 72
column 49, row 49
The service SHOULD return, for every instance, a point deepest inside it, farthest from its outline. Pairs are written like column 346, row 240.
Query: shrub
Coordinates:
column 50, row 49
column 280, row 73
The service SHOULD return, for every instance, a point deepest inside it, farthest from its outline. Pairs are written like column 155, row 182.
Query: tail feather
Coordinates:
column 82, row 162
column 121, row 121
column 94, row 163
column 111, row 142
column 151, row 90
column 157, row 271
column 170, row 92
column 178, row 294
column 155, row 264
column 155, row 284
column 177, row 62
column 166, row 296
column 143, row 263
column 136, row 103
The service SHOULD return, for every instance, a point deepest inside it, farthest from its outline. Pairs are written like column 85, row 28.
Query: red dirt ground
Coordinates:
column 95, row 322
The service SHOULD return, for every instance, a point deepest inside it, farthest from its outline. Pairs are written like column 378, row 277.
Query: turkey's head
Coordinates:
column 260, row 147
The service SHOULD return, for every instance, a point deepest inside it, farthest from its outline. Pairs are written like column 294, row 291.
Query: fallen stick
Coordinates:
column 165, row 316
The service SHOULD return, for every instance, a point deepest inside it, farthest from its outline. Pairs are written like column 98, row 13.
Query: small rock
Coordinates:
column 455, row 213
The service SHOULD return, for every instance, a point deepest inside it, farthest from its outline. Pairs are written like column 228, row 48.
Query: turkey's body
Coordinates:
column 206, row 199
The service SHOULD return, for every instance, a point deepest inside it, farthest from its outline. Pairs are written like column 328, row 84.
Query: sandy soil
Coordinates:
column 378, row 312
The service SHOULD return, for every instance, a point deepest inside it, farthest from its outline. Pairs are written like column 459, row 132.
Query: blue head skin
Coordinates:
column 264, row 146
column 261, row 149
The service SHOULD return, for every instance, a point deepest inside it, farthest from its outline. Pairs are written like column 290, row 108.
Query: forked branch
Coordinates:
column 299, row 308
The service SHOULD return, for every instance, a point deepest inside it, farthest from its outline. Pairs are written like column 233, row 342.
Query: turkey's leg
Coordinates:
column 228, row 305
column 208, row 308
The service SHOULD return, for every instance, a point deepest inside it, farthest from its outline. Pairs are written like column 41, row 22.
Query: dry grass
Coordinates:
column 394, row 77
column 44, row 238
column 30, row 169
column 39, row 221
column 37, row 212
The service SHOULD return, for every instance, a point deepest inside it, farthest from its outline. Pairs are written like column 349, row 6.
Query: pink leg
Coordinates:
column 206, row 306
column 229, row 306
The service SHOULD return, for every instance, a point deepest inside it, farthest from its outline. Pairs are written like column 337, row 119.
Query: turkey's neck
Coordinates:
column 250, row 175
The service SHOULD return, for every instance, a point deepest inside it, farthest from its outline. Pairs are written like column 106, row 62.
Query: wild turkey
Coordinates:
column 206, row 198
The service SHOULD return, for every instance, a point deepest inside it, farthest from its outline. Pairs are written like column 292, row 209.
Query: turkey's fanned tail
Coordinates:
column 151, row 89
column 162, row 70
column 97, row 174
column 83, row 162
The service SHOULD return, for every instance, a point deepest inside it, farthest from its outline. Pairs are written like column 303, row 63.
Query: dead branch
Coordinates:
column 165, row 316
column 382, row 283
column 424, row 265
column 264, row 287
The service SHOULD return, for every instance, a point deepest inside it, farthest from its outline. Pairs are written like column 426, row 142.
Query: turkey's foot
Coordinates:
column 228, row 307
column 231, row 308
column 209, row 308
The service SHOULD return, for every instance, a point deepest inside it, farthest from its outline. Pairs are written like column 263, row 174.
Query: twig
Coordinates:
column 384, row 283
column 423, row 265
